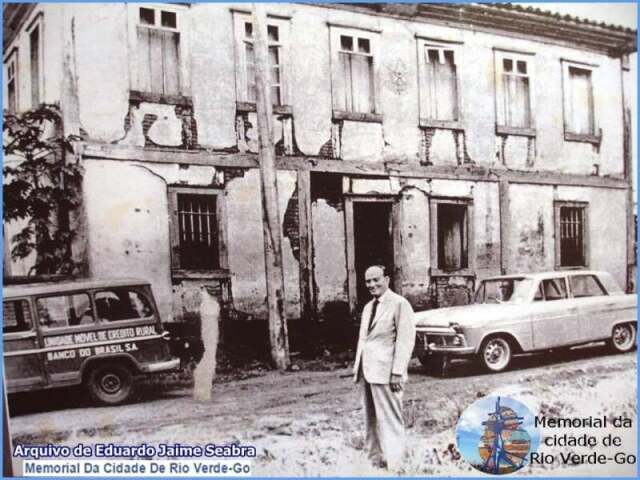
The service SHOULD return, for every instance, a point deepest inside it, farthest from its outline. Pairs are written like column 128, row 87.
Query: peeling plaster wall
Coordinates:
column 246, row 247
column 128, row 230
column 103, row 88
column 531, row 237
column 330, row 262
column 486, row 213
column 412, row 245
column 213, row 74
column 102, row 68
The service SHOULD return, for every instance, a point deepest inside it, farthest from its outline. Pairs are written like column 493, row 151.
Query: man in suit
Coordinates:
column 385, row 344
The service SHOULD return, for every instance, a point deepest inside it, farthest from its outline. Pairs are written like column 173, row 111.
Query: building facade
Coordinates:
column 449, row 142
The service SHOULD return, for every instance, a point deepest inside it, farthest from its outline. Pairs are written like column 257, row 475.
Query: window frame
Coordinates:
column 47, row 329
column 373, row 36
column 570, row 278
column 502, row 127
column 283, row 24
column 37, row 23
column 26, row 332
column 595, row 136
column 184, row 51
column 221, row 217
column 427, row 120
column 434, row 203
column 104, row 321
column 584, row 206
column 11, row 62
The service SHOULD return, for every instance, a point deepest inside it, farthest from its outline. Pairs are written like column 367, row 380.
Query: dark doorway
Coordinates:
column 373, row 242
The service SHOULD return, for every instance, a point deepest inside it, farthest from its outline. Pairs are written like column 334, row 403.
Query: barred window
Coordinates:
column 197, row 226
column 571, row 235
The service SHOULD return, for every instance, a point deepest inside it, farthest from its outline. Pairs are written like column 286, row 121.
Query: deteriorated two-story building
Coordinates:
column 450, row 142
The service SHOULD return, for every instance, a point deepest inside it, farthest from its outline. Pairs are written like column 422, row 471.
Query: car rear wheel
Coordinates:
column 623, row 337
column 110, row 384
column 495, row 354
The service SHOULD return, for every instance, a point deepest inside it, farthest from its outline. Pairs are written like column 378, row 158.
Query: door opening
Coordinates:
column 373, row 242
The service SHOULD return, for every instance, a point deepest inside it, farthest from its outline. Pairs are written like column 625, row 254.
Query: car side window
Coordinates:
column 16, row 316
column 554, row 289
column 585, row 286
column 64, row 310
column 122, row 304
column 539, row 297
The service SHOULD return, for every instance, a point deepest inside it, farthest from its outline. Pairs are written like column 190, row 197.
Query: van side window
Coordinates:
column 122, row 304
column 16, row 316
column 64, row 310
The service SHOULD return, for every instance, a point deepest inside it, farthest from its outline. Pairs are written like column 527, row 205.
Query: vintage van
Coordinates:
column 98, row 333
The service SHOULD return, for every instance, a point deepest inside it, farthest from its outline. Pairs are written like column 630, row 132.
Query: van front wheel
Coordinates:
column 110, row 384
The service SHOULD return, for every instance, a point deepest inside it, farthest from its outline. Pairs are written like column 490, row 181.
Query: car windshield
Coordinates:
column 504, row 290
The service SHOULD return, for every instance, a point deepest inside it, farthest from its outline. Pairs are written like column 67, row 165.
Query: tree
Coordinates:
column 42, row 181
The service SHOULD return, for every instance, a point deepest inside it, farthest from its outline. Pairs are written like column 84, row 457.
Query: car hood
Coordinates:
column 475, row 315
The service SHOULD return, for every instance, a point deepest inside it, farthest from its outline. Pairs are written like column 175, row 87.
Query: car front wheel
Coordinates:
column 495, row 354
column 623, row 337
column 110, row 384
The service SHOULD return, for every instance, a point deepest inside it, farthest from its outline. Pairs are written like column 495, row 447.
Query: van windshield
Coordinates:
column 504, row 290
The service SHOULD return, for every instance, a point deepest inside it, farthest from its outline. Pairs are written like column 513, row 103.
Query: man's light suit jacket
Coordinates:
column 387, row 348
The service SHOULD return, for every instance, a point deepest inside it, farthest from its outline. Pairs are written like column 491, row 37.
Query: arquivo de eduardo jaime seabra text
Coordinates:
column 143, row 450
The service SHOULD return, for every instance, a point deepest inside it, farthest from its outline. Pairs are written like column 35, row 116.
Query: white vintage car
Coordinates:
column 514, row 314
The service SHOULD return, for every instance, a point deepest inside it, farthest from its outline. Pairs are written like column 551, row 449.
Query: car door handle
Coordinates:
column 573, row 310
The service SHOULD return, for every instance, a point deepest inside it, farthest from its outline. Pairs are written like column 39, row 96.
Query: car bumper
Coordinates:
column 167, row 365
column 439, row 342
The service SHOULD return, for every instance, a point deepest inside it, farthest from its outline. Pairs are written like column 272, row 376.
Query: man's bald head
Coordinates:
column 376, row 280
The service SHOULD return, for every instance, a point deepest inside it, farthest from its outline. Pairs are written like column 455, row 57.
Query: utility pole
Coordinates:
column 278, row 336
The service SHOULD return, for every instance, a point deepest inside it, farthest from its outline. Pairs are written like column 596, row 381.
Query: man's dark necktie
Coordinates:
column 373, row 315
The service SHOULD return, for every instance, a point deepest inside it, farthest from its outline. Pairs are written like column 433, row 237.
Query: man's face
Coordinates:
column 377, row 282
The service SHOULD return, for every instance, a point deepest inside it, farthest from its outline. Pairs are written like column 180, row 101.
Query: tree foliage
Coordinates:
column 41, row 186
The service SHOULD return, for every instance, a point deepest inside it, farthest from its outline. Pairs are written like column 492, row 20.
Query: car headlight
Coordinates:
column 456, row 327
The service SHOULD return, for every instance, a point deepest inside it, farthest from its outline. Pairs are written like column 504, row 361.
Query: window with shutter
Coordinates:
column 158, row 51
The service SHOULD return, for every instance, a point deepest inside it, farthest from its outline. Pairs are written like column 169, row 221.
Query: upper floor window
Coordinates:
column 36, row 68
column 277, row 50
column 11, row 80
column 571, row 234
column 438, row 81
column 579, row 112
column 158, row 51
column 197, row 228
column 513, row 90
column 354, row 71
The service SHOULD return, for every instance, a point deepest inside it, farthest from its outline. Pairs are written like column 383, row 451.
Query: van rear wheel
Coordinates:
column 110, row 384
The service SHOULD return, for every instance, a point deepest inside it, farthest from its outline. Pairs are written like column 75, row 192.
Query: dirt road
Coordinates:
column 309, row 422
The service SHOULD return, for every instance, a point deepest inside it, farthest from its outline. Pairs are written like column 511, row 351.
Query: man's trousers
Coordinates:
column 384, row 424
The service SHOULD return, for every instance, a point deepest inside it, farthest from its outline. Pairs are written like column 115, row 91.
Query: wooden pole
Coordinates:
column 268, row 182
